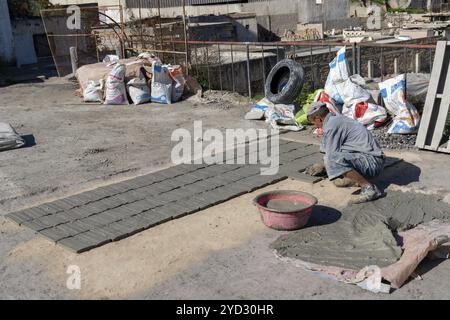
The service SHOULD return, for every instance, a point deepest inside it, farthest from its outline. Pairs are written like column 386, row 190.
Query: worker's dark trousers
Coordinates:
column 339, row 163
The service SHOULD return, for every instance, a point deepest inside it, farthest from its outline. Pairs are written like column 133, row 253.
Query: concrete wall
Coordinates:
column 222, row 77
column 6, row 36
column 426, row 4
column 240, row 23
column 286, row 14
column 246, row 29
column 23, row 31
column 276, row 16
column 99, row 2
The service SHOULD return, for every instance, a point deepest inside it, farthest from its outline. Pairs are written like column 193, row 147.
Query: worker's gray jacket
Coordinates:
column 342, row 134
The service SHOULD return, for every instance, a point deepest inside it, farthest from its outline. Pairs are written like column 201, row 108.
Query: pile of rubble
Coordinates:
column 394, row 142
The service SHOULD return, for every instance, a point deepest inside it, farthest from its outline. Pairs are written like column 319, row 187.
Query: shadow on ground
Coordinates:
column 323, row 215
column 401, row 174
column 423, row 268
column 33, row 73
column 30, row 141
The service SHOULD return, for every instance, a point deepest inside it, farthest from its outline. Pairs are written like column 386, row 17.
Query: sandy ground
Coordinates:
column 220, row 253
column 78, row 146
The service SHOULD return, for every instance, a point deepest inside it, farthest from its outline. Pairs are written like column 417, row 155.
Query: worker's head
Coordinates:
column 317, row 113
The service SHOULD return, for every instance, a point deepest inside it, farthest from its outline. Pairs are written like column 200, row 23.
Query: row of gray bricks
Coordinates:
column 117, row 211
column 105, row 198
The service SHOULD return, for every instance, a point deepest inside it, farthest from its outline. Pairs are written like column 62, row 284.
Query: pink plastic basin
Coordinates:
column 293, row 219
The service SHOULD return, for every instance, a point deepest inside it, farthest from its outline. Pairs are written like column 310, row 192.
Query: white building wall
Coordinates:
column 280, row 14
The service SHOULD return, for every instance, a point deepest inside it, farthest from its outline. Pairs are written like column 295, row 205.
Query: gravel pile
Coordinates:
column 225, row 99
column 394, row 142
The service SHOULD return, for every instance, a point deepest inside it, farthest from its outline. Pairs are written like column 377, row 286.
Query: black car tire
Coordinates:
column 285, row 81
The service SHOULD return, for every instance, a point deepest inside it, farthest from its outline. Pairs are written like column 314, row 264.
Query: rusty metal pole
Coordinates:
column 96, row 47
column 417, row 63
column 370, row 69
column 359, row 60
column 431, row 63
column 220, row 68
column 207, row 66
column 122, row 28
column 232, row 68
column 405, row 55
column 174, row 50
column 396, row 66
column 141, row 25
column 186, row 43
column 405, row 60
column 311, row 67
column 248, row 71
column 354, row 57
column 263, row 66
column 160, row 29
column 196, row 61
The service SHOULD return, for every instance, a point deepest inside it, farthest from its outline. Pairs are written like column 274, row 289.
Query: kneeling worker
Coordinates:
column 351, row 153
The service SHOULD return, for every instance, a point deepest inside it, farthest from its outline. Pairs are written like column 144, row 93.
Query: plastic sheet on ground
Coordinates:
column 279, row 116
column 9, row 139
column 282, row 117
column 258, row 111
column 417, row 243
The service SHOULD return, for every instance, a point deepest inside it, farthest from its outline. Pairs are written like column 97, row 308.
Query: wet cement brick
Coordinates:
column 55, row 234
column 110, row 213
column 35, row 225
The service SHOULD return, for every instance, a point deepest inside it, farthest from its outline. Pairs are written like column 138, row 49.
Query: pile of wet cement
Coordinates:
column 286, row 205
column 364, row 234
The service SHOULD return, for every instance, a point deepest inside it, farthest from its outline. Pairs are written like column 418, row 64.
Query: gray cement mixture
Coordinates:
column 286, row 205
column 365, row 234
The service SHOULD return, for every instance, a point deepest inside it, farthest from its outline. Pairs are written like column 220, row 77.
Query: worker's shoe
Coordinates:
column 368, row 193
column 345, row 183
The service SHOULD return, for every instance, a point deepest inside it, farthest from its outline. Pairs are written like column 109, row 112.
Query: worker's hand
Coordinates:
column 316, row 170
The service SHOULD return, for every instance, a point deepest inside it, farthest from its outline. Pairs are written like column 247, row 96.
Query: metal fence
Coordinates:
column 244, row 67
column 233, row 66
column 64, row 33
column 102, row 30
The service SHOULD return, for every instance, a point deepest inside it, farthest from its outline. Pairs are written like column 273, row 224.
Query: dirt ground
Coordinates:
column 220, row 253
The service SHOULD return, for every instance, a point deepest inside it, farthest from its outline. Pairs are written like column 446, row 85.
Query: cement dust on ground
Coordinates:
column 75, row 146
column 135, row 265
column 221, row 252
